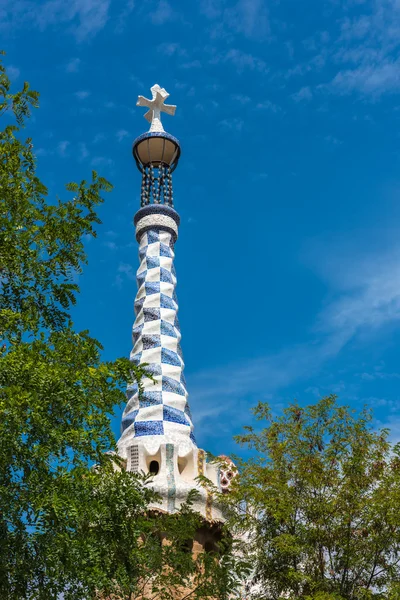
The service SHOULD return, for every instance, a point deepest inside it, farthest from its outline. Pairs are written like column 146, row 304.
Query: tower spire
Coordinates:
column 157, row 429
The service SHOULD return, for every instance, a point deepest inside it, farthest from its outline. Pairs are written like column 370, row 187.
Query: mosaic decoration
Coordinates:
column 227, row 473
column 162, row 408
column 170, row 477
column 201, row 461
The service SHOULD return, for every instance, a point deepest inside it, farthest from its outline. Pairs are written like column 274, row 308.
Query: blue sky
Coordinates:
column 288, row 114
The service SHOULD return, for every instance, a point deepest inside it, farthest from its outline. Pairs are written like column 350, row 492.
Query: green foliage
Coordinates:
column 41, row 248
column 67, row 529
column 322, row 498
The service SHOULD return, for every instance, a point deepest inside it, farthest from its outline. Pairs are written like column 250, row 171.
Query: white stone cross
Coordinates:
column 156, row 106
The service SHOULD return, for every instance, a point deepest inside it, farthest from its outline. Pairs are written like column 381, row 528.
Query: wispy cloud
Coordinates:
column 73, row 65
column 241, row 60
column 379, row 375
column 361, row 50
column 101, row 161
column 303, row 95
column 369, row 295
column 233, row 124
column 99, row 137
column 249, row 17
column 162, row 13
column 84, row 17
column 125, row 271
column 268, row 105
column 192, row 64
column 365, row 294
column 82, row 94
column 62, row 148
column 366, row 51
column 123, row 16
column 171, row 48
column 83, row 151
column 122, row 134
column 331, row 139
column 110, row 245
column 246, row 17
column 241, row 98
column 370, row 79
column 13, row 72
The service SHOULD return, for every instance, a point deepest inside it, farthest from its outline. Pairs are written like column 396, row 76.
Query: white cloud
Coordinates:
column 85, row 18
column 369, row 79
column 41, row 152
column 13, row 72
column 233, row 124
column 123, row 17
column 268, row 105
column 99, row 137
column 171, row 48
column 249, row 17
column 246, row 17
column 73, row 65
column 241, row 60
column 362, row 52
column 365, row 292
column 304, row 94
column 212, row 9
column 110, row 245
column 162, row 13
column 331, row 139
column 83, row 151
column 367, row 51
column 369, row 294
column 63, row 147
column 193, row 64
column 138, row 82
column 122, row 134
column 241, row 98
column 124, row 271
column 82, row 94
column 101, row 161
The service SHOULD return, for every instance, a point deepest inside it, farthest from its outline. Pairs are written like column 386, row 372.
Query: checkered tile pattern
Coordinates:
column 162, row 408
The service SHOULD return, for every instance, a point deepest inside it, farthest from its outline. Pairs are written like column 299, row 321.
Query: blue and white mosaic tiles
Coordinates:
column 161, row 409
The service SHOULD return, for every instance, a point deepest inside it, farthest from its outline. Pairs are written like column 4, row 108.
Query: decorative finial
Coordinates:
column 156, row 106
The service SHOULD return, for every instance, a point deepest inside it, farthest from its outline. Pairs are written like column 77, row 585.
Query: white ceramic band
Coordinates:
column 156, row 220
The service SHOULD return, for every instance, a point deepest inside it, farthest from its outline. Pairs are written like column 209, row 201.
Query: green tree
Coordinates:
column 318, row 504
column 67, row 529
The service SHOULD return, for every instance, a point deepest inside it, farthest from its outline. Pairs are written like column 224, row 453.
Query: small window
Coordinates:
column 154, row 467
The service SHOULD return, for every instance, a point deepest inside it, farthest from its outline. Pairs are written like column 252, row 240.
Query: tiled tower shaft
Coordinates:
column 157, row 429
column 161, row 410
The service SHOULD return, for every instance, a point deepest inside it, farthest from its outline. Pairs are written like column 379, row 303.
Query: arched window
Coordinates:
column 154, row 467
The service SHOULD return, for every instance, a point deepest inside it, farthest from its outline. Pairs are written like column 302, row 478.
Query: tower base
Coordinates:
column 176, row 470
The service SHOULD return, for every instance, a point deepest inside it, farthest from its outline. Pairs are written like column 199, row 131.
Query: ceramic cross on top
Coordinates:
column 156, row 106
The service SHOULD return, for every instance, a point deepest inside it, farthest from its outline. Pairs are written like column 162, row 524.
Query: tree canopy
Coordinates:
column 318, row 504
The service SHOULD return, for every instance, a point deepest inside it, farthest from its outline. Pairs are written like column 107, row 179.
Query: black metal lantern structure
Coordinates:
column 156, row 154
